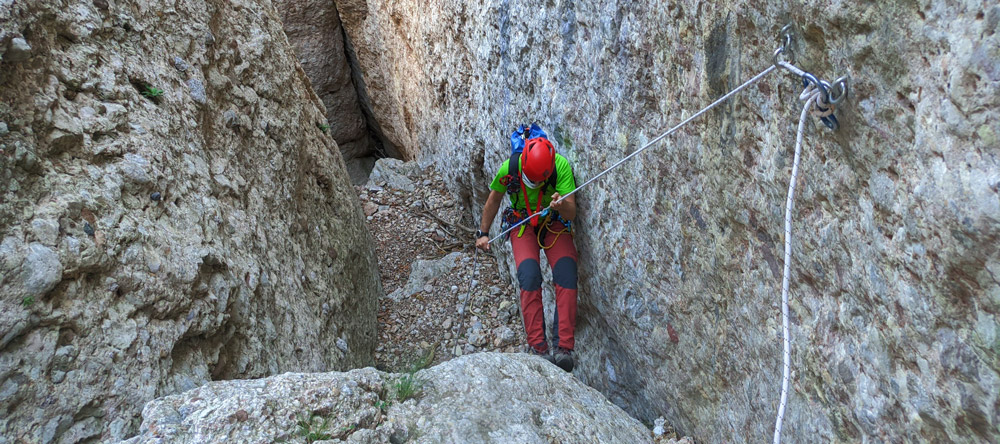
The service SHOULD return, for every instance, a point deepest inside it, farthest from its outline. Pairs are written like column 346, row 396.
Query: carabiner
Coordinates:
column 842, row 84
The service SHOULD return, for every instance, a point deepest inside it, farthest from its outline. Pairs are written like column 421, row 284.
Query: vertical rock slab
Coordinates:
column 170, row 213
column 314, row 30
column 387, row 39
column 894, row 296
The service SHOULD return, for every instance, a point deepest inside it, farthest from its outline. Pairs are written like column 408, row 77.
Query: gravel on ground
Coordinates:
column 423, row 329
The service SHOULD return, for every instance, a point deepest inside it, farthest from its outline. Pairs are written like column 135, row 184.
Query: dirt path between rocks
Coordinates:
column 422, row 232
column 426, row 258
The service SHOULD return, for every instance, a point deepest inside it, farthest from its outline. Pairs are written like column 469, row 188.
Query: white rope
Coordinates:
column 794, row 69
column 647, row 145
column 811, row 96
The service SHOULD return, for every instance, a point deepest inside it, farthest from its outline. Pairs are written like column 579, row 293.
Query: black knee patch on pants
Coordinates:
column 529, row 275
column 564, row 273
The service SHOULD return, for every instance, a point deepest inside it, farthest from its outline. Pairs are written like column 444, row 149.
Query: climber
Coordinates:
column 529, row 177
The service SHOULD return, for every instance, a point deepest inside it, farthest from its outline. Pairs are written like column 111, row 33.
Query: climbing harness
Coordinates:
column 546, row 226
column 546, row 218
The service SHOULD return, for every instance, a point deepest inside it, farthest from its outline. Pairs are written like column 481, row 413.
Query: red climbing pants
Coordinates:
column 562, row 259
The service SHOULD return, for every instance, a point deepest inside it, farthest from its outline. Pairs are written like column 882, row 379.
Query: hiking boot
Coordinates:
column 564, row 359
column 546, row 355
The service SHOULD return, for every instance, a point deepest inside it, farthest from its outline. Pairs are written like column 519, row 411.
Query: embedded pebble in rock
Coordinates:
column 180, row 64
column 230, row 119
column 197, row 91
column 45, row 230
column 19, row 50
column 40, row 272
column 136, row 167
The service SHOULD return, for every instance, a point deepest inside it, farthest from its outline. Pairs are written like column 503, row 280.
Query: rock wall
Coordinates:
column 481, row 398
column 388, row 40
column 313, row 28
column 894, row 293
column 170, row 213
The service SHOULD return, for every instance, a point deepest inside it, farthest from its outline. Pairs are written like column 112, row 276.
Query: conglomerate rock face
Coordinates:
column 894, row 286
column 313, row 28
column 480, row 398
column 170, row 213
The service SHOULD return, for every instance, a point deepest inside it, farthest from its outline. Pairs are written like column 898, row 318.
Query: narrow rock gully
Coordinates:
column 427, row 263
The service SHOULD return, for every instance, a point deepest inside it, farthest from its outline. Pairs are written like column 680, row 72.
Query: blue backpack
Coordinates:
column 513, row 178
column 517, row 139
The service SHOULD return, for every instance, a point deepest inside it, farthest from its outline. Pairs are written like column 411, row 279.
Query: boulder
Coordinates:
column 359, row 169
column 394, row 173
column 480, row 398
column 422, row 272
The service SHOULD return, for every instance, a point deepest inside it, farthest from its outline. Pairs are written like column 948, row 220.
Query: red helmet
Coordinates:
column 538, row 159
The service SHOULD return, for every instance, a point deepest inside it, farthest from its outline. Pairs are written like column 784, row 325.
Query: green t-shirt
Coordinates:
column 564, row 185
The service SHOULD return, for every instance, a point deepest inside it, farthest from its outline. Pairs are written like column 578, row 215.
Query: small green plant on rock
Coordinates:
column 27, row 301
column 313, row 430
column 408, row 386
column 152, row 92
column 323, row 127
